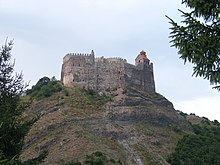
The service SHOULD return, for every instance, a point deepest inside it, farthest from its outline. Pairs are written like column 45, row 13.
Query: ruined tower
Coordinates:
column 78, row 70
column 141, row 75
column 105, row 74
column 142, row 58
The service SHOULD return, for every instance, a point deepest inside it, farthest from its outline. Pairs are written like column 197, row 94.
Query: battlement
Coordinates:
column 87, row 56
column 112, row 59
column 103, row 74
column 117, row 59
column 79, row 54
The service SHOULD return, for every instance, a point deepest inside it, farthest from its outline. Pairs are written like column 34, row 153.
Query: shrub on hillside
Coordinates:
column 202, row 148
column 45, row 87
column 96, row 158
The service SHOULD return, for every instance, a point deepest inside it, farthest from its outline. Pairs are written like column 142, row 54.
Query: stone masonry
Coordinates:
column 106, row 74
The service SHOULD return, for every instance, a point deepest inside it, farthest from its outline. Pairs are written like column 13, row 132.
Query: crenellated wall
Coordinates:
column 110, row 73
column 105, row 74
column 78, row 70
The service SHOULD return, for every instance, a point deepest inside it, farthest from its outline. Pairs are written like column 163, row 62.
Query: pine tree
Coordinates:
column 198, row 38
column 13, row 127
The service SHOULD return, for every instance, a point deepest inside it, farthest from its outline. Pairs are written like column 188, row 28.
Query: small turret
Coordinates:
column 92, row 53
column 142, row 58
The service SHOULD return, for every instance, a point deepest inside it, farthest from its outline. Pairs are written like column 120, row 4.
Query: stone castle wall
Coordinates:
column 105, row 74
column 110, row 74
column 78, row 70
column 140, row 77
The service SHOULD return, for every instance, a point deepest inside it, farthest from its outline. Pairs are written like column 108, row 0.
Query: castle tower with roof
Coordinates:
column 142, row 58
column 105, row 74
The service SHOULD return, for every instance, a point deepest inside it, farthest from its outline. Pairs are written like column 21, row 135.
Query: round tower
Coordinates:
column 142, row 58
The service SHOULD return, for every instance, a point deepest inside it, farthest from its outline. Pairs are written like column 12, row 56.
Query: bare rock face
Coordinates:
column 147, row 108
column 134, row 127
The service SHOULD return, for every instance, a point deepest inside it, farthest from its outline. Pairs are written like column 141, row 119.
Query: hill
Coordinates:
column 127, row 126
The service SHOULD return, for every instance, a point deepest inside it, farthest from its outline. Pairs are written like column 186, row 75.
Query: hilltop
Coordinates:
column 127, row 125
column 107, row 111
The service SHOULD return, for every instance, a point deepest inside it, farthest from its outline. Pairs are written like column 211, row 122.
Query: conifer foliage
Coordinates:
column 13, row 127
column 198, row 38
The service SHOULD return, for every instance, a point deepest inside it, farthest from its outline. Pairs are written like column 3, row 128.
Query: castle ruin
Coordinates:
column 106, row 74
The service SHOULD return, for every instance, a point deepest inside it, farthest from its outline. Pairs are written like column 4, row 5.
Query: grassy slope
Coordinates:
column 136, row 126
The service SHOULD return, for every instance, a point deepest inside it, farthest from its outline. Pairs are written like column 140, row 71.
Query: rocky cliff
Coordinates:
column 129, row 125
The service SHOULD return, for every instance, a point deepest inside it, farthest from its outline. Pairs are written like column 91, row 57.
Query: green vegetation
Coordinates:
column 176, row 129
column 45, row 87
column 96, row 158
column 198, row 39
column 86, row 99
column 13, row 126
column 182, row 113
column 202, row 148
column 77, row 97
column 159, row 139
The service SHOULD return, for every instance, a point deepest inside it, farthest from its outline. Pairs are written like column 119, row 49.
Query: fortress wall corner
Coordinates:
column 78, row 70
column 140, row 77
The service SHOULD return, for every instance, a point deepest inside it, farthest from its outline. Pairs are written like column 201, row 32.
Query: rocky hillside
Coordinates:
column 128, row 126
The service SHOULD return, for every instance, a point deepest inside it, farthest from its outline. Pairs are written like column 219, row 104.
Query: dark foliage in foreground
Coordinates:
column 202, row 148
column 198, row 38
column 13, row 126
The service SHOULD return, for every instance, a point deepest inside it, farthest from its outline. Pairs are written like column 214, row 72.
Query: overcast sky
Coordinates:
column 45, row 30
